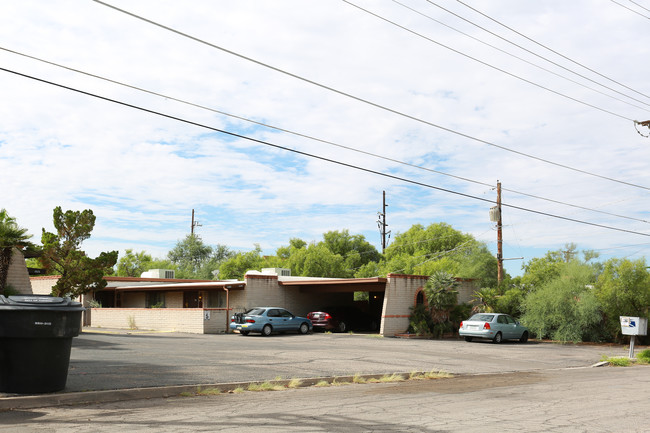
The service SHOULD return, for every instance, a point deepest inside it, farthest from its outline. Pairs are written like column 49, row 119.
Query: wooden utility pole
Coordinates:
column 499, row 237
column 382, row 225
column 194, row 223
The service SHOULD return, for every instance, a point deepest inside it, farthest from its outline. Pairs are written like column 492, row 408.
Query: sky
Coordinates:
column 288, row 119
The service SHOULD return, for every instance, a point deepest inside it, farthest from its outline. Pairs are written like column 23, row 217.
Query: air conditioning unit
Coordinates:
column 158, row 273
column 281, row 272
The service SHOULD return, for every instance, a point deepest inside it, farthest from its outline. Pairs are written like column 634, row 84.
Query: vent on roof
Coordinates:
column 158, row 273
column 281, row 272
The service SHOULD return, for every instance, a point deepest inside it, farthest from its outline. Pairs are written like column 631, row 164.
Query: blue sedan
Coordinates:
column 267, row 320
column 494, row 326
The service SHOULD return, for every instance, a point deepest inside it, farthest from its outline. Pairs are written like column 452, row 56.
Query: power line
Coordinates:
column 359, row 99
column 533, row 53
column 639, row 5
column 515, row 56
column 552, row 50
column 317, row 139
column 310, row 155
column 484, row 63
column 632, row 10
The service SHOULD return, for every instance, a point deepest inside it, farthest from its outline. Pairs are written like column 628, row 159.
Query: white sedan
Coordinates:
column 493, row 326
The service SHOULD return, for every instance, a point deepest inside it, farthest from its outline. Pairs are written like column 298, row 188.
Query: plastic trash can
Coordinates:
column 35, row 340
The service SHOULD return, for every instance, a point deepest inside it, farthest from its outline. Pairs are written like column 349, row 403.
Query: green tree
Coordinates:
column 133, row 264
column 439, row 247
column 11, row 236
column 238, row 264
column 354, row 249
column 623, row 289
column 565, row 308
column 541, row 270
column 189, row 255
column 61, row 254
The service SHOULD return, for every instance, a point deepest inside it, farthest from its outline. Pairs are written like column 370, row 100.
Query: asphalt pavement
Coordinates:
column 114, row 365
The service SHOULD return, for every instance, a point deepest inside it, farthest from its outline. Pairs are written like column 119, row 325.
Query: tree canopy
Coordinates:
column 61, row 254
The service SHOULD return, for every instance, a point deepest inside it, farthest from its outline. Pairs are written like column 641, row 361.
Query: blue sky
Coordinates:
column 143, row 174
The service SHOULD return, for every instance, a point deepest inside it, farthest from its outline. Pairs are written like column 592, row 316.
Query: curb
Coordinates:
column 108, row 396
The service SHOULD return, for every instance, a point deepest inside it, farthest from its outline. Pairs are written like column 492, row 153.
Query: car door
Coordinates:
column 275, row 319
column 288, row 322
column 503, row 327
column 509, row 327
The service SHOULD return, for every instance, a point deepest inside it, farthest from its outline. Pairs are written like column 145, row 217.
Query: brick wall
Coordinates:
column 190, row 320
column 17, row 275
column 43, row 285
column 398, row 300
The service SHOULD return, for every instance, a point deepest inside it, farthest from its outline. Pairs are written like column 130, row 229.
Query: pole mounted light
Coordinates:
column 645, row 123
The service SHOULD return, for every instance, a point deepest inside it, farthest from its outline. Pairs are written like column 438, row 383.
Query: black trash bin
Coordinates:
column 35, row 340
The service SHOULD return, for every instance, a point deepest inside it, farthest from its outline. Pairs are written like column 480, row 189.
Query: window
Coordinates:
column 154, row 300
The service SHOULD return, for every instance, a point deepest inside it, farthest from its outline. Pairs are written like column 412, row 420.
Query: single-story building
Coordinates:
column 197, row 306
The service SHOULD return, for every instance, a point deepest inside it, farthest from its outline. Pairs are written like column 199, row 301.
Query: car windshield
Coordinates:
column 255, row 312
column 482, row 317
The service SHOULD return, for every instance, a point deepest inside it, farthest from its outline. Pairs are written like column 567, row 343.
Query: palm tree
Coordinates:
column 11, row 236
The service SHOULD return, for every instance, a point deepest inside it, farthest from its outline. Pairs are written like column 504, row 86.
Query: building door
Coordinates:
column 192, row 300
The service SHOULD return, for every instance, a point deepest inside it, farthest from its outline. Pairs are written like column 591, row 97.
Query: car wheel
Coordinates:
column 244, row 332
column 524, row 337
column 342, row 327
column 498, row 338
column 468, row 339
column 266, row 331
column 304, row 328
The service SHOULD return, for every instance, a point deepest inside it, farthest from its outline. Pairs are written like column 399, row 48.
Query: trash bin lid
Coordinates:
column 39, row 302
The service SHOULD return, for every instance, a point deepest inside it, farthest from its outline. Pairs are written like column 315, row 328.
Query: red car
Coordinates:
column 342, row 319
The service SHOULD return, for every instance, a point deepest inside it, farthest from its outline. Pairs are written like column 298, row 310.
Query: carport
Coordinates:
column 375, row 287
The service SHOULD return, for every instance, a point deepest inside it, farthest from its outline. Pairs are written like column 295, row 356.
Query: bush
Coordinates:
column 420, row 321
column 564, row 308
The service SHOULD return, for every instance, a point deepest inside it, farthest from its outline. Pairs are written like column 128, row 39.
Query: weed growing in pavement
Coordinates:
column 617, row 361
column 294, row 383
column 265, row 386
column 359, row 379
column 238, row 390
column 643, row 357
column 322, row 384
column 209, row 391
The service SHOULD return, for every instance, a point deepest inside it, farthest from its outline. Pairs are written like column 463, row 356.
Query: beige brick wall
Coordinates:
column 173, row 300
column 17, row 275
column 43, row 285
column 190, row 320
column 398, row 300
column 264, row 291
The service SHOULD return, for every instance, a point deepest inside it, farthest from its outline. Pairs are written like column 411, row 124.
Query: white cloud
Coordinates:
column 142, row 174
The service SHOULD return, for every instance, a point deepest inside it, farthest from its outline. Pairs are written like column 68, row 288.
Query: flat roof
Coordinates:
column 185, row 286
column 375, row 284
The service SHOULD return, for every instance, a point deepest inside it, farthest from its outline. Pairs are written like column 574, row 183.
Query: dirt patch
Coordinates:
column 461, row 384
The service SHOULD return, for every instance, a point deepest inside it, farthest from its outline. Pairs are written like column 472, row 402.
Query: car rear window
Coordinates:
column 482, row 317
column 255, row 312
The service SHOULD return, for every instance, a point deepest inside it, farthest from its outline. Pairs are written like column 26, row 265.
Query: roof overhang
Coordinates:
column 337, row 285
column 183, row 287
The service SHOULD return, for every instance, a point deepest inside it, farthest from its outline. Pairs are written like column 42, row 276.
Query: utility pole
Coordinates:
column 194, row 223
column 381, row 222
column 495, row 216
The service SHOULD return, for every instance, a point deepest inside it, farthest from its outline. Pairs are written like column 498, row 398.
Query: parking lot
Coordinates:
column 536, row 386
column 102, row 360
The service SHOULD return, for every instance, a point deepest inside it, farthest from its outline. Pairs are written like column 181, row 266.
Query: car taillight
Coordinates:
column 327, row 316
column 232, row 319
column 461, row 324
column 486, row 326
column 250, row 321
